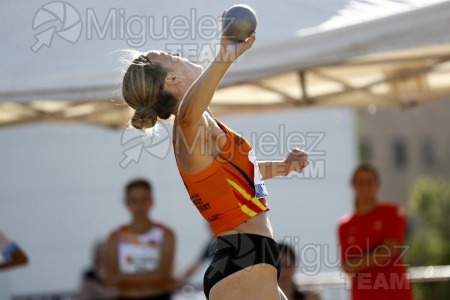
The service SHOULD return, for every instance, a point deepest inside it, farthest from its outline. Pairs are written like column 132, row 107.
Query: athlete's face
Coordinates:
column 181, row 73
column 176, row 64
column 139, row 201
column 366, row 186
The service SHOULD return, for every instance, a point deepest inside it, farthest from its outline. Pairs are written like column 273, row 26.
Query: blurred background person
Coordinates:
column 139, row 255
column 288, row 266
column 371, row 241
column 11, row 255
column 93, row 284
column 205, row 256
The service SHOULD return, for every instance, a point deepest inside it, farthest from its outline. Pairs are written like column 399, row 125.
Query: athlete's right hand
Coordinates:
column 230, row 50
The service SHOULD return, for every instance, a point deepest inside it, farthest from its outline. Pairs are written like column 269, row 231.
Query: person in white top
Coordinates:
column 10, row 254
column 139, row 255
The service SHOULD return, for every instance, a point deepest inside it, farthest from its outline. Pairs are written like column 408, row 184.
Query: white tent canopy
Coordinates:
column 338, row 52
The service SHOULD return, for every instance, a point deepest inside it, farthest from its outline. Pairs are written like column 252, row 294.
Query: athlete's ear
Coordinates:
column 172, row 78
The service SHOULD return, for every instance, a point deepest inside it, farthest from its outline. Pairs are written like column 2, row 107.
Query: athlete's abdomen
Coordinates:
column 259, row 224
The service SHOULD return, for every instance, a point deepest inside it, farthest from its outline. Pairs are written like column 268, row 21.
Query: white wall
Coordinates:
column 61, row 189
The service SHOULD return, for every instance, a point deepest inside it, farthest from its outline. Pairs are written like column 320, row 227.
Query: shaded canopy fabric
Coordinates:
column 338, row 52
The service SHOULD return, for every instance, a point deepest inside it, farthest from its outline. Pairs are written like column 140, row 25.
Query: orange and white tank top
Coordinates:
column 140, row 252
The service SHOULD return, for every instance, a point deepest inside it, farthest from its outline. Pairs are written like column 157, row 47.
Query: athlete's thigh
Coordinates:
column 258, row 282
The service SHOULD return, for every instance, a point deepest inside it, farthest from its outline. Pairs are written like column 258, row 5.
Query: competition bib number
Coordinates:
column 260, row 187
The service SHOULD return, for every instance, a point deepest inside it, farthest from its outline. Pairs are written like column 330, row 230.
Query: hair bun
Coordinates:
column 141, row 59
column 144, row 117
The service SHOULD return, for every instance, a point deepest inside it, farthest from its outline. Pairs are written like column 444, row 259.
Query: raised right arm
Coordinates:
column 199, row 95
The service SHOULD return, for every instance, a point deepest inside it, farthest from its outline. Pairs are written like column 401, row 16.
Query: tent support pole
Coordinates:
column 305, row 97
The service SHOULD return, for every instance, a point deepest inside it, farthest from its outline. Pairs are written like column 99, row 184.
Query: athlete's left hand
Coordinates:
column 296, row 160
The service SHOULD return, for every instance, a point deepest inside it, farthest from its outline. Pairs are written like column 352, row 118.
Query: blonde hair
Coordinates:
column 143, row 90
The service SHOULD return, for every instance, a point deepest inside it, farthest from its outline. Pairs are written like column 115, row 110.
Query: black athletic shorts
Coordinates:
column 235, row 252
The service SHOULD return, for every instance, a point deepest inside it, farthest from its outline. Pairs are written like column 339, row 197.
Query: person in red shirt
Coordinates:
column 372, row 243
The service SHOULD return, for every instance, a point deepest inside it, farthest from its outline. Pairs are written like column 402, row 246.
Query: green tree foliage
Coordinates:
column 430, row 238
column 430, row 206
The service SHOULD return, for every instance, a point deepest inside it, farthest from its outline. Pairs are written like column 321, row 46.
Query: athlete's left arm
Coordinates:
column 296, row 160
